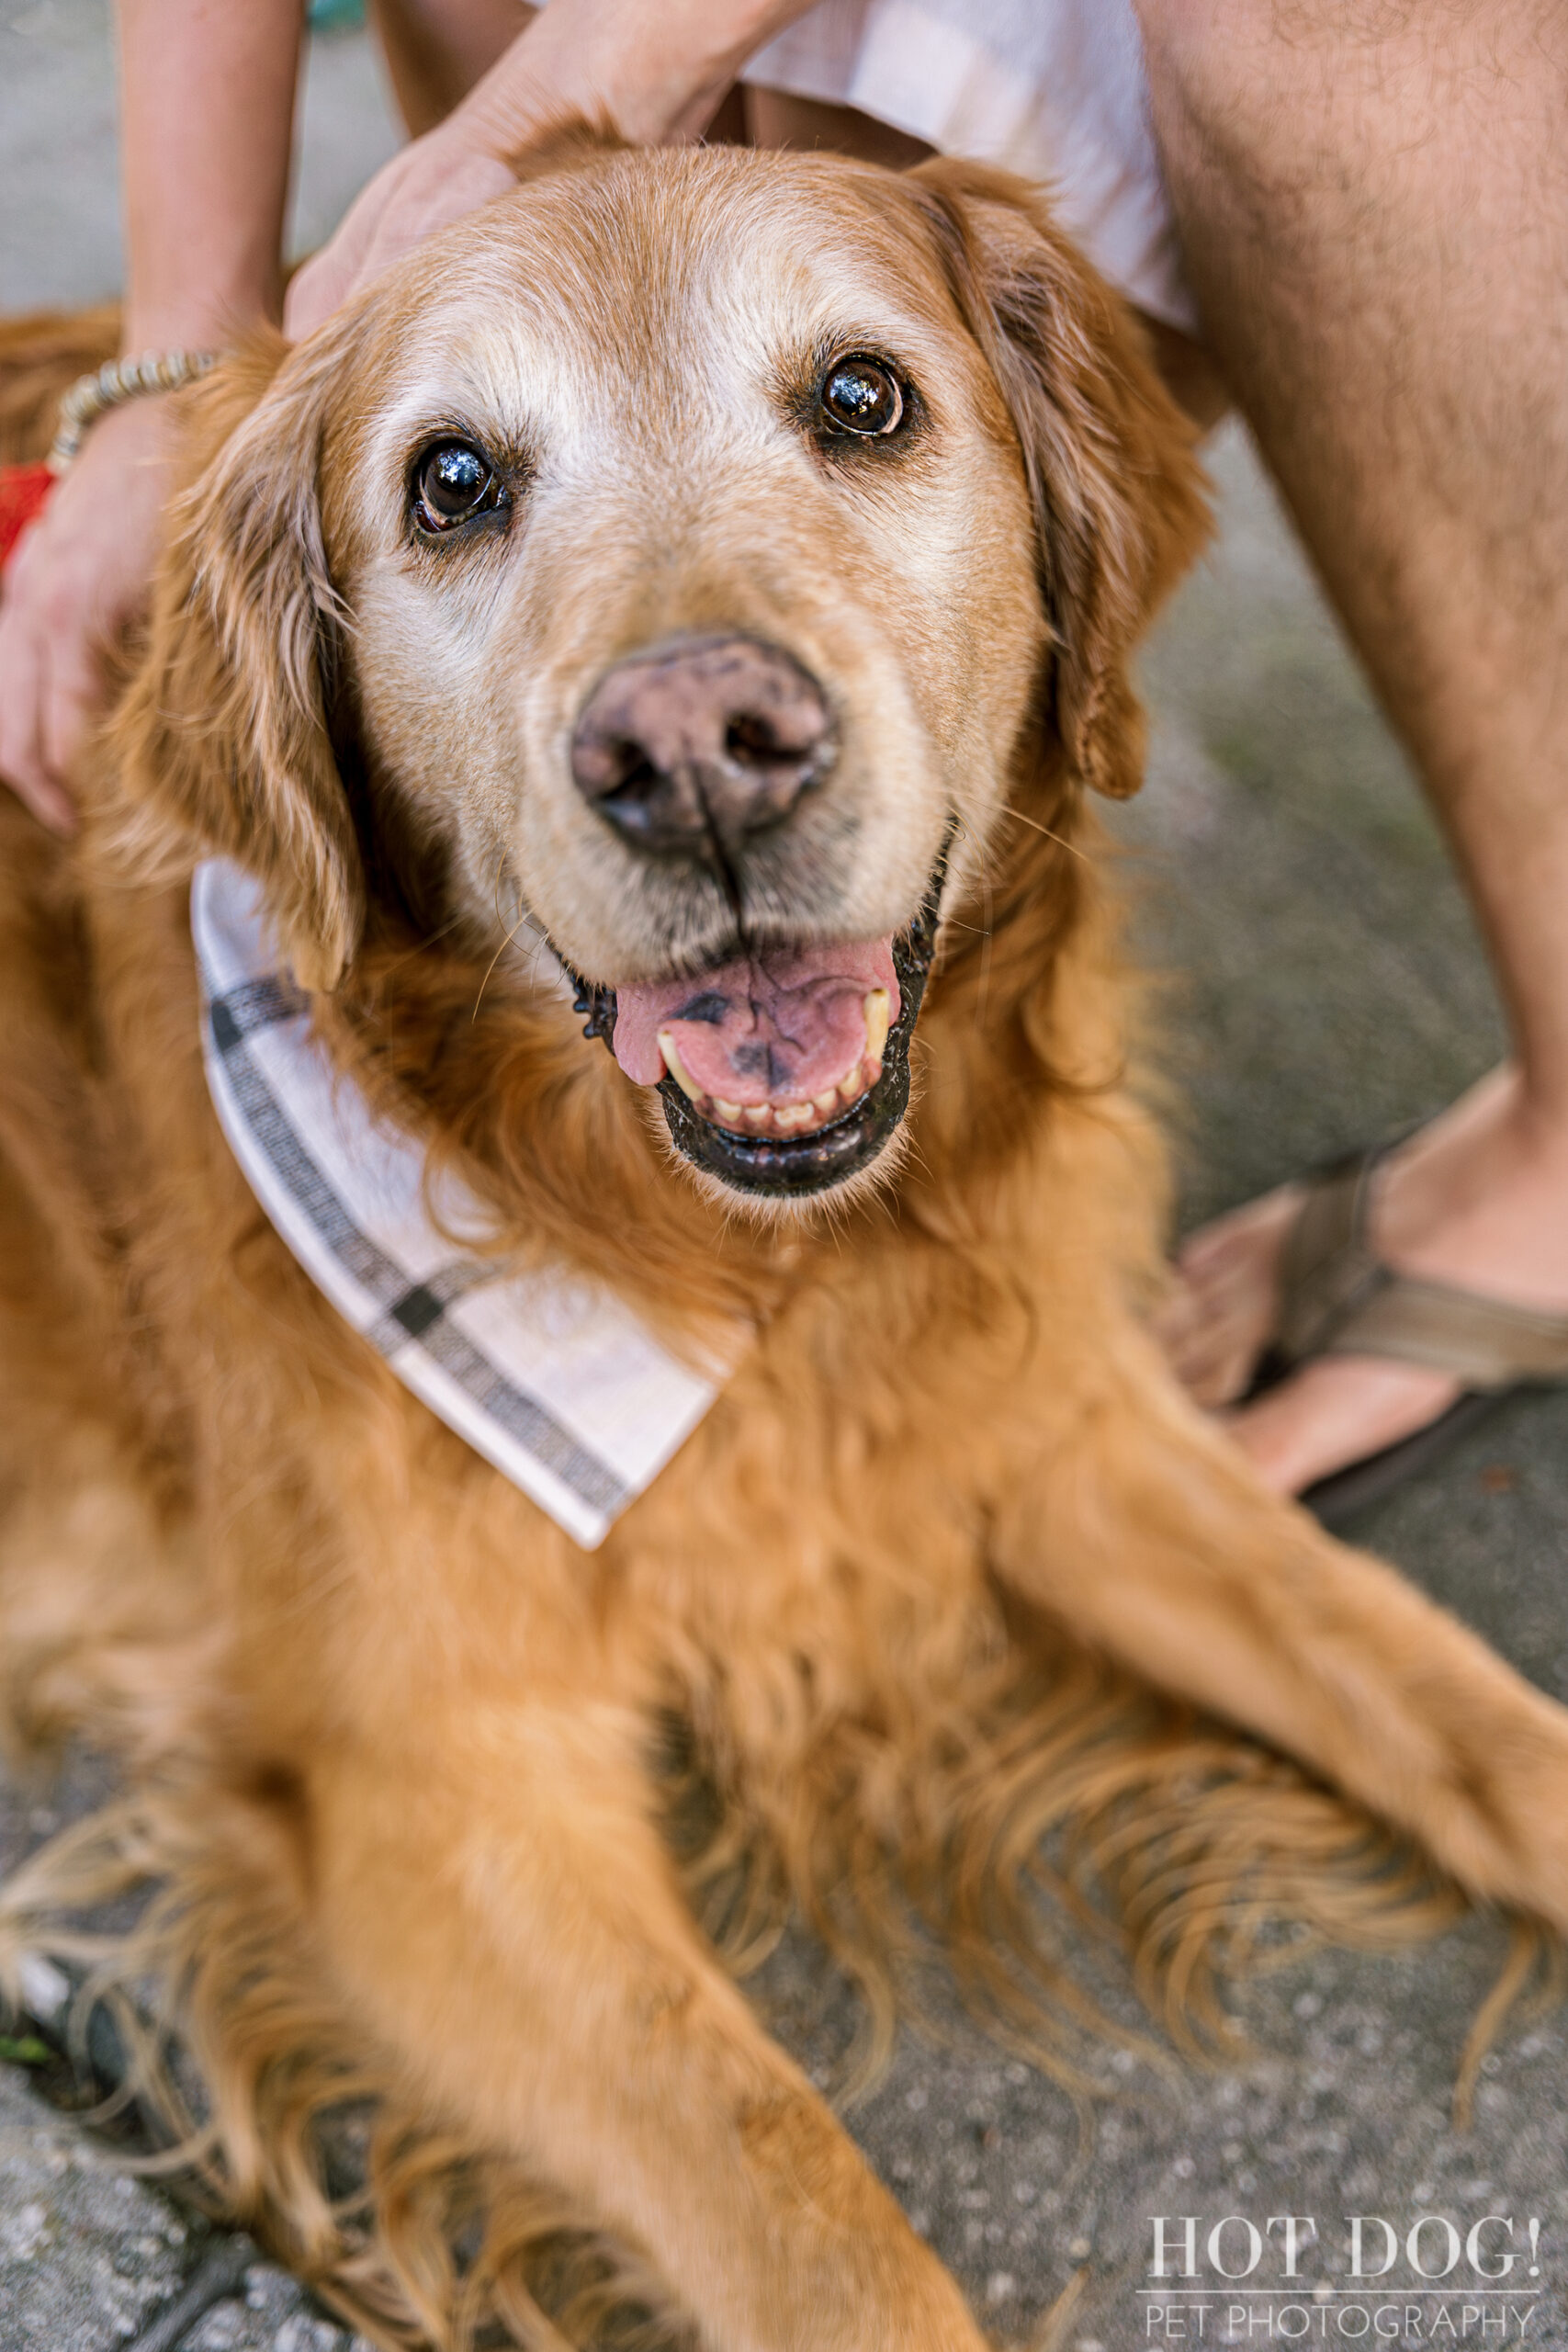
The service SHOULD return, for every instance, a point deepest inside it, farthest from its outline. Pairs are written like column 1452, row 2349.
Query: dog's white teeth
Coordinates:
column 878, row 1010
column 677, row 1068
column 784, row 1118
column 792, row 1118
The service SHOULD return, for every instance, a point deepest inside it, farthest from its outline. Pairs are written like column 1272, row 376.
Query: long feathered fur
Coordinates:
column 885, row 1740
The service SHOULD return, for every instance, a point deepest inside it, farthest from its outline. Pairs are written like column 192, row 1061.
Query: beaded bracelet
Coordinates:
column 116, row 381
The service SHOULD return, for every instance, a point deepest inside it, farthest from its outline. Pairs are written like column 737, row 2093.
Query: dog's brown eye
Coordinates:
column 453, row 482
column 862, row 396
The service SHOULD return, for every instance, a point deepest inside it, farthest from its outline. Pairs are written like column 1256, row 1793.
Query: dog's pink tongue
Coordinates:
column 774, row 1028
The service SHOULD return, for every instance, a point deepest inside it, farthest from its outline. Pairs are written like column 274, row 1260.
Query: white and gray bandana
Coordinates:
column 552, row 1378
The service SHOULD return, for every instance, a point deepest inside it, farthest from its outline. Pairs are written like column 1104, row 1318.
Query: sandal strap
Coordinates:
column 1337, row 1298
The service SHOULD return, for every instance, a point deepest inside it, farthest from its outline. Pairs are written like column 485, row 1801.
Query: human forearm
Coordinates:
column 207, row 110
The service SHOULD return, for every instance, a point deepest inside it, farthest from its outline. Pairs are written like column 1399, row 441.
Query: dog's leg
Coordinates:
column 500, row 1909
column 1143, row 1527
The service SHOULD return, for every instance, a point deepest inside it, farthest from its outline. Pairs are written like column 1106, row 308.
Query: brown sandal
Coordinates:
column 1337, row 1298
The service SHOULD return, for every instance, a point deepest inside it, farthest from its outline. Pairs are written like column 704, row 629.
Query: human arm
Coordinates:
column 206, row 114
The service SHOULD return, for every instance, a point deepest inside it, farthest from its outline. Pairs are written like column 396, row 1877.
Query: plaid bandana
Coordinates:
column 548, row 1375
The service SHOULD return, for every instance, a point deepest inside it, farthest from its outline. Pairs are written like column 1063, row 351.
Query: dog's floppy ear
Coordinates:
column 1116, row 488
column 225, row 729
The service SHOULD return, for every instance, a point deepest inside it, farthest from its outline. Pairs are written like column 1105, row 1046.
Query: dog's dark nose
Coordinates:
column 696, row 744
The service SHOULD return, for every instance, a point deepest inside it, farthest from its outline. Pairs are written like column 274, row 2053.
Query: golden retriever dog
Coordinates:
column 705, row 582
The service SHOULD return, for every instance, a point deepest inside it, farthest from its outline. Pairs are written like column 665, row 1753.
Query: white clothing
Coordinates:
column 1054, row 89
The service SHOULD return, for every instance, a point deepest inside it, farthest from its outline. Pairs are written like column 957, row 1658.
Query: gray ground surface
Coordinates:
column 1325, row 986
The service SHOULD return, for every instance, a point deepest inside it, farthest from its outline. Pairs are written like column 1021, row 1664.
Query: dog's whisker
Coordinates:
column 1006, row 809
column 983, row 993
column 491, row 965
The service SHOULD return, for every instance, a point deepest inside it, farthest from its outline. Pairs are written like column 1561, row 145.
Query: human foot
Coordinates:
column 1477, row 1201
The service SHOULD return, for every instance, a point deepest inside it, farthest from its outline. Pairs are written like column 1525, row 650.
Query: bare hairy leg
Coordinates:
column 1372, row 206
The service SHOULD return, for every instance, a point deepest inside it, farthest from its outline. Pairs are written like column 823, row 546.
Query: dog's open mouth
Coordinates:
column 784, row 1073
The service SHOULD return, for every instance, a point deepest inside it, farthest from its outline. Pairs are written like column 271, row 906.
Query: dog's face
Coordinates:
column 698, row 535
column 692, row 569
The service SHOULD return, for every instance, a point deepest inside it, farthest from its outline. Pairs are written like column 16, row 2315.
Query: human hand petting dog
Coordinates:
column 652, row 71
column 208, row 114
column 78, row 577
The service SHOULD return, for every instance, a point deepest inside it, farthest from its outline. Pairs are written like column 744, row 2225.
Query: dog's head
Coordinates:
column 682, row 556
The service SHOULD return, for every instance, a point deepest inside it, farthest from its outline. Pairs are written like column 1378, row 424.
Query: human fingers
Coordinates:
column 22, row 652
column 1216, row 1375
column 429, row 185
column 321, row 285
column 78, row 576
column 1189, row 1309
column 22, row 764
column 1253, row 1231
column 70, row 696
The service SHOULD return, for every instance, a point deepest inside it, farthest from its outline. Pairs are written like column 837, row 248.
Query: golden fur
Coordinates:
column 934, row 1588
